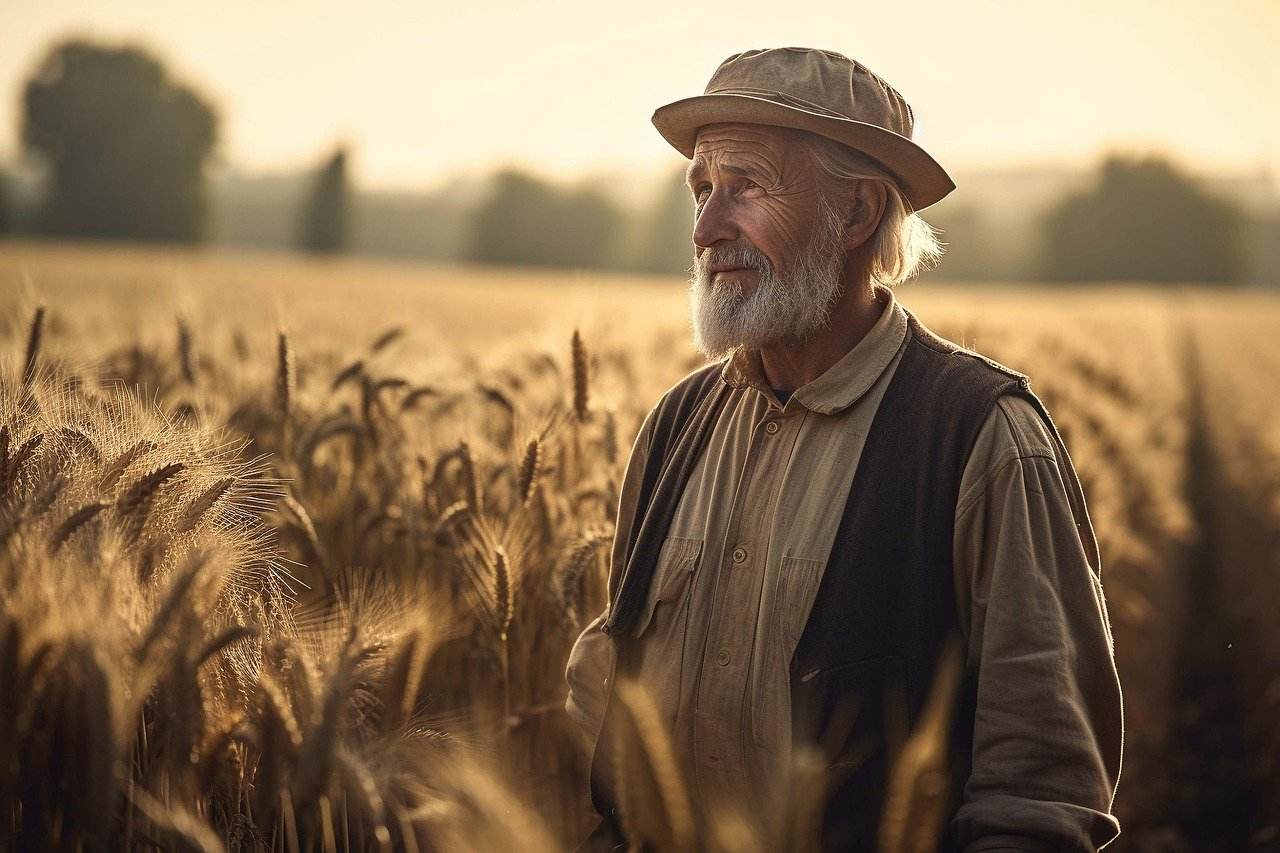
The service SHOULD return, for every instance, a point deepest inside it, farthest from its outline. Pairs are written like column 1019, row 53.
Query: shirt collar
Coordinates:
column 844, row 382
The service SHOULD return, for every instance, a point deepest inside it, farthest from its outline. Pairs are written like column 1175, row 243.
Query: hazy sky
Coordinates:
column 425, row 89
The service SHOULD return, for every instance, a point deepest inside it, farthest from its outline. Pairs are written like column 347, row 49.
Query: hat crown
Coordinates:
column 818, row 91
column 818, row 80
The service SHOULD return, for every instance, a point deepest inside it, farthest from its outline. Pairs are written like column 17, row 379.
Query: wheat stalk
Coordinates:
column 529, row 465
column 286, row 391
column 175, row 600
column 390, row 383
column 575, row 567
column 81, row 444
column 233, row 635
column 302, row 522
column 644, row 738
column 11, row 468
column 204, row 502
column 387, row 338
column 915, row 807
column 610, row 439
column 34, row 336
column 402, row 683
column 498, row 397
column 133, row 504
column 351, row 371
column 358, row 778
column 174, row 827
column 186, row 360
column 286, row 377
column 48, row 495
column 276, row 703
column 121, row 463
column 503, row 605
column 579, row 357
column 454, row 515
column 320, row 740
column 469, row 481
column 74, row 522
column 416, row 395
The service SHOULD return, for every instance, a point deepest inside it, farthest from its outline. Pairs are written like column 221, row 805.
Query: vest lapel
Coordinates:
column 666, row 474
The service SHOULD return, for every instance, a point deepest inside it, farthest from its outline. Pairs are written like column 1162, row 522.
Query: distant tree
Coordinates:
column 127, row 144
column 1265, row 254
column 324, row 226
column 511, row 223
column 528, row 221
column 5, row 216
column 668, row 242
column 1144, row 220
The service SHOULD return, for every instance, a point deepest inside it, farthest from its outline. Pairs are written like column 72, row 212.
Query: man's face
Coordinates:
column 768, row 255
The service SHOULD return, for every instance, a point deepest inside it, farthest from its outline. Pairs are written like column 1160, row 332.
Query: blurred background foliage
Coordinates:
column 122, row 150
column 325, row 226
column 1143, row 220
column 527, row 221
column 125, row 143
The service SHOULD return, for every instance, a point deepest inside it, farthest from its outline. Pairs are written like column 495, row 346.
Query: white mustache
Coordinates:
column 748, row 257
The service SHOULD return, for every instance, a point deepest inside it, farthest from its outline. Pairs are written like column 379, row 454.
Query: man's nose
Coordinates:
column 714, row 224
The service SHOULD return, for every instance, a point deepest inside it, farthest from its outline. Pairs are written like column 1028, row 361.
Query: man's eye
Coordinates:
column 701, row 192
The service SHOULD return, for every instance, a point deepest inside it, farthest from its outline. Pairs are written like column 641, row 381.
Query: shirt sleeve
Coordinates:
column 591, row 659
column 1048, row 727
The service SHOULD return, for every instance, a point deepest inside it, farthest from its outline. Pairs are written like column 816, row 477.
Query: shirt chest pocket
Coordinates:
column 793, row 595
column 667, row 604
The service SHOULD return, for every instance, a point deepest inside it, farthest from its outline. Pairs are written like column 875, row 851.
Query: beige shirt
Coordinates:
column 745, row 553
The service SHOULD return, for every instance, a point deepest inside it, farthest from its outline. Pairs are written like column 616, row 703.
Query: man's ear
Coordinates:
column 866, row 207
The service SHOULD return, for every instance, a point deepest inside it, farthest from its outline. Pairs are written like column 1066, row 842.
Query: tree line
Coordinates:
column 127, row 148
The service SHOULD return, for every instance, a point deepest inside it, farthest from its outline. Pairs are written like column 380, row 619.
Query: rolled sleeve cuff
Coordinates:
column 1006, row 822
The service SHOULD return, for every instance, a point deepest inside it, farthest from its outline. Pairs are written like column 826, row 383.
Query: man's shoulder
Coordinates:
column 958, row 358
column 1014, row 421
column 1014, row 436
column 1023, row 425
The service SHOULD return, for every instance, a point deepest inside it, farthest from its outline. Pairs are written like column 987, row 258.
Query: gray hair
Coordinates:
column 903, row 244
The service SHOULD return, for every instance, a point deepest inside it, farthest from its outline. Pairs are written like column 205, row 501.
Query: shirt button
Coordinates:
column 771, row 427
column 739, row 555
column 722, row 657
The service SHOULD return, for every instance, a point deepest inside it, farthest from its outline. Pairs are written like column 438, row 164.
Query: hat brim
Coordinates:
column 922, row 179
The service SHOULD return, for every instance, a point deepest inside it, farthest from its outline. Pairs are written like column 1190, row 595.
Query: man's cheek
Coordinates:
column 786, row 231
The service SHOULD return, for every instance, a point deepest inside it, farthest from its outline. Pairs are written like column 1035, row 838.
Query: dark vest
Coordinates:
column 885, row 606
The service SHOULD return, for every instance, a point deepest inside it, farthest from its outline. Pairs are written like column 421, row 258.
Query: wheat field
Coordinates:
column 292, row 553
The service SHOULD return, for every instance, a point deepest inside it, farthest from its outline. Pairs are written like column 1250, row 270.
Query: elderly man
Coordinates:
column 808, row 522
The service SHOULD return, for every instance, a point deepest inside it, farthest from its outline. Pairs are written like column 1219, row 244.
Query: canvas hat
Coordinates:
column 819, row 91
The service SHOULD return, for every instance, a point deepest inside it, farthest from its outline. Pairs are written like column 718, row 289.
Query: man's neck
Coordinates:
column 788, row 368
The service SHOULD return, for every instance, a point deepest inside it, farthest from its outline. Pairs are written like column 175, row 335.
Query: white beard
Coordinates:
column 790, row 308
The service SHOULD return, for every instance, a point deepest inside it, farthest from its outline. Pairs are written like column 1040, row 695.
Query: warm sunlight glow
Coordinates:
column 422, row 90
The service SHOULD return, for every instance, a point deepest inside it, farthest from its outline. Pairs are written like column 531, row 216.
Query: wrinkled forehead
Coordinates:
column 760, row 145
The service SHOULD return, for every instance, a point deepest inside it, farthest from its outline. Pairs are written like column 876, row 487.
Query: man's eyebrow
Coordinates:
column 694, row 170
column 697, row 167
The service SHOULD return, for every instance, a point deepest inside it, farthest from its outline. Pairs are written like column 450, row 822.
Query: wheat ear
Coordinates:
column 579, row 354
column 529, row 469
column 186, row 360
column 74, row 522
column 33, row 346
